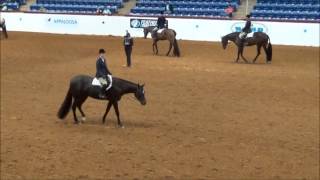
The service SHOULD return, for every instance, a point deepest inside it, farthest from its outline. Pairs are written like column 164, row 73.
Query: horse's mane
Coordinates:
column 123, row 80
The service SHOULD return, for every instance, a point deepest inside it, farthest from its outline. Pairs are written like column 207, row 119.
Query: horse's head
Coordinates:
column 139, row 94
column 224, row 42
column 145, row 31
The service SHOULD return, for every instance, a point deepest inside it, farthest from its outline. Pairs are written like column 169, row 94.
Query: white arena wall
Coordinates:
column 281, row 33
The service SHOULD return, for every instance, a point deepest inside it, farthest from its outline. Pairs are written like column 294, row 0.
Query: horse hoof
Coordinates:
column 83, row 119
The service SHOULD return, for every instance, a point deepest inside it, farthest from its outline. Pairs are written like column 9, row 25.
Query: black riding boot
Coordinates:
column 102, row 93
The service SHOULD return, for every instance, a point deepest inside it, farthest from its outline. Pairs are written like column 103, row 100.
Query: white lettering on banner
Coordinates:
column 282, row 33
column 256, row 27
column 65, row 21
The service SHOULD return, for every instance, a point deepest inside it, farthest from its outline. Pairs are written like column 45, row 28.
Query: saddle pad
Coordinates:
column 249, row 35
column 95, row 82
column 160, row 30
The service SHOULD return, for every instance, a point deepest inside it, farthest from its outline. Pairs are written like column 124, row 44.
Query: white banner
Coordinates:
column 283, row 33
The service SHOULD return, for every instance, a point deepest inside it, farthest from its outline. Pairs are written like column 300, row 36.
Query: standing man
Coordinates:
column 103, row 74
column 3, row 27
column 128, row 43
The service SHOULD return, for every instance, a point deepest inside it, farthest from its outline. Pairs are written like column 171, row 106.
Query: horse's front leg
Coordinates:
column 170, row 47
column 238, row 55
column 153, row 48
column 241, row 53
column 115, row 105
column 106, row 113
column 258, row 53
column 156, row 45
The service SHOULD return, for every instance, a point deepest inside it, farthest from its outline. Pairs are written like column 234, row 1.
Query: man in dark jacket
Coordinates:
column 103, row 74
column 3, row 27
column 247, row 28
column 128, row 43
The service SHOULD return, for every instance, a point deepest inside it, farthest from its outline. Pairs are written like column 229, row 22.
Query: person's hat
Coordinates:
column 127, row 33
column 248, row 15
column 102, row 51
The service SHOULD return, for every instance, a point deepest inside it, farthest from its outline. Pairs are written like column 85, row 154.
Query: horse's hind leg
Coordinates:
column 74, row 106
column 107, row 111
column 79, row 105
column 265, row 49
column 115, row 105
column 258, row 53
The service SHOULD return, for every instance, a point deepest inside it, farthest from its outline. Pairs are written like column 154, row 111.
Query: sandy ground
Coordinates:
column 206, row 117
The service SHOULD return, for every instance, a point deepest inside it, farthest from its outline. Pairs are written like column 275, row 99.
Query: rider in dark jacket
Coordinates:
column 103, row 74
column 247, row 28
column 161, row 23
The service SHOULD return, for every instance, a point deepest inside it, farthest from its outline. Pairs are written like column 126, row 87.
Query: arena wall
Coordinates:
column 282, row 33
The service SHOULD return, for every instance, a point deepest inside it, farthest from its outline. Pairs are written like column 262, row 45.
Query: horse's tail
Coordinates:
column 269, row 51
column 176, row 50
column 65, row 106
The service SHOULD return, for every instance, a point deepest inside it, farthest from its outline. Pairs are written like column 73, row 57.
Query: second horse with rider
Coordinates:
column 161, row 24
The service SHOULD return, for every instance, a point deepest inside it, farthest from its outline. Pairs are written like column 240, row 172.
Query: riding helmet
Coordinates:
column 102, row 51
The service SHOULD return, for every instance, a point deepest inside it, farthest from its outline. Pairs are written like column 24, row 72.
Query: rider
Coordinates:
column 161, row 23
column 103, row 74
column 247, row 28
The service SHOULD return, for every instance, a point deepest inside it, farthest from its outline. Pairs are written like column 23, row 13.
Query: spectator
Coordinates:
column 229, row 10
column 128, row 43
column 107, row 11
column 168, row 8
column 99, row 11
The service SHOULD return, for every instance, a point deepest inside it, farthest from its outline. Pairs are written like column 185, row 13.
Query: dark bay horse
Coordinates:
column 80, row 89
column 260, row 39
column 166, row 34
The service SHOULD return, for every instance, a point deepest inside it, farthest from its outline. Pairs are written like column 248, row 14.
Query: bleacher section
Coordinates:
column 77, row 6
column 12, row 4
column 305, row 10
column 194, row 8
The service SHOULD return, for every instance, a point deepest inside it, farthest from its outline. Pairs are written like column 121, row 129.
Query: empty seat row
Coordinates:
column 12, row 6
column 188, row 4
column 20, row 2
column 195, row 1
column 119, row 4
column 288, row 7
column 290, row 1
column 304, row 15
column 180, row 11
column 67, row 7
